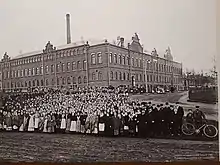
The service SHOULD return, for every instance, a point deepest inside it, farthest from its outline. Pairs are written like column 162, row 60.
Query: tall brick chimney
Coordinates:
column 68, row 28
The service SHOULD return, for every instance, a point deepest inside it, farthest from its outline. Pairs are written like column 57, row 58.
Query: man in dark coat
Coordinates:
column 142, row 118
column 179, row 121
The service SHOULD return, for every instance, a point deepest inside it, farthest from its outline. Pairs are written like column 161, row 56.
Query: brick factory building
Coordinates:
column 86, row 64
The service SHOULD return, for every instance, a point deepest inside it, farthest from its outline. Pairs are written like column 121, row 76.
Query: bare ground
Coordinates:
column 33, row 147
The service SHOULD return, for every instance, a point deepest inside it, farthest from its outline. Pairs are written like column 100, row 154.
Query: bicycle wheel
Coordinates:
column 210, row 131
column 188, row 129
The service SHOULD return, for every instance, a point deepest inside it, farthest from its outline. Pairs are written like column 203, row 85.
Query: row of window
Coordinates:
column 140, row 77
column 49, row 56
column 135, row 62
column 37, row 83
column 48, row 69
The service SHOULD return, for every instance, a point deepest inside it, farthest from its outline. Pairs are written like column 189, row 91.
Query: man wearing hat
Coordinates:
column 199, row 117
column 179, row 117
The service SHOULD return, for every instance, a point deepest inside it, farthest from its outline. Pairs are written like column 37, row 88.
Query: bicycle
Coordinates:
column 209, row 130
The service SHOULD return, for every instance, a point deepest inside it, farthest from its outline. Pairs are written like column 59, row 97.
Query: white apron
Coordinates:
column 45, row 126
column 36, row 123
column 73, row 126
column 31, row 124
column 63, row 124
column 101, row 127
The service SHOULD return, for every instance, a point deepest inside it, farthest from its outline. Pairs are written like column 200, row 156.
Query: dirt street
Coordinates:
column 32, row 147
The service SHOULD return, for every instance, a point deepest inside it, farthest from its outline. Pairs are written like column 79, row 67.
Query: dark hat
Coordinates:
column 158, row 105
column 161, row 104
column 149, row 102
column 171, row 105
column 167, row 103
column 197, row 106
column 177, row 102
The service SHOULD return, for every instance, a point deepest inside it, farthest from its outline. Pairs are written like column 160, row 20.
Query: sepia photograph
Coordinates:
column 108, row 81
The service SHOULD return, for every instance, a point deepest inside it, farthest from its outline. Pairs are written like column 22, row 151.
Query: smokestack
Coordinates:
column 68, row 28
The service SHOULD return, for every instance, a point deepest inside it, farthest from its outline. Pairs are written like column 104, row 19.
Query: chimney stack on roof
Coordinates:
column 68, row 28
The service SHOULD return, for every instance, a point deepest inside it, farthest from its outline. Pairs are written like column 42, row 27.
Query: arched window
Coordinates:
column 52, row 81
column 124, row 76
column 100, row 76
column 52, row 68
column 128, row 76
column 93, row 76
column 120, row 60
column 78, row 65
column 29, row 83
column 47, row 69
column 111, row 75
column 68, row 53
column 41, row 70
column 73, row 65
column 42, row 82
column 68, row 80
column 38, row 84
column 93, row 61
column 116, row 76
column 84, row 64
column 115, row 58
column 47, row 83
column 132, row 61
column 85, row 79
column 77, row 51
column 120, row 76
column 123, row 61
column 79, row 80
column 110, row 58
column 74, row 80
column 33, row 82
column 58, row 81
column 33, row 71
column 140, row 77
column 58, row 68
column 68, row 66
column 99, row 56
column 63, row 67
column 63, row 81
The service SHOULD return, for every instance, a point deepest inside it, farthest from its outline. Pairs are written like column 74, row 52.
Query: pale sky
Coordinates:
column 187, row 26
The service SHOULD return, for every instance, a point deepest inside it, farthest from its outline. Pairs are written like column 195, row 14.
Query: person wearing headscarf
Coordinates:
column 83, row 121
column 45, row 125
column 116, row 124
column 1, row 120
column 15, row 121
column 73, row 122
column 8, row 122
column 36, row 121
column 21, row 121
column 63, row 123
column 78, row 123
column 68, row 122
column 101, row 123
column 31, row 123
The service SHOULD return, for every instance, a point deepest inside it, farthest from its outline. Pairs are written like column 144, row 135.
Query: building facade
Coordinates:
column 101, row 64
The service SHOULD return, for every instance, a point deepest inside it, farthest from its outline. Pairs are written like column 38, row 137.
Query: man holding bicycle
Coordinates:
column 196, row 117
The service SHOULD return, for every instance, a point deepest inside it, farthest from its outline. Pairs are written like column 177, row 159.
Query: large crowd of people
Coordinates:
column 96, row 111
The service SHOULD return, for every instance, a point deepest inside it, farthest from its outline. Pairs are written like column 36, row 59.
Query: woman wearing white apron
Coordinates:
column 63, row 123
column 94, row 123
column 36, row 122
column 45, row 124
column 78, row 124
column 73, row 123
column 31, row 123
column 101, row 124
